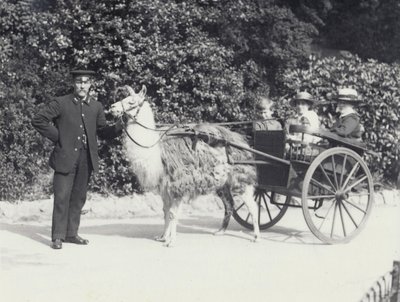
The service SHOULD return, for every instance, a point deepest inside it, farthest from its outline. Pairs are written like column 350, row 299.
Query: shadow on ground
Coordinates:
column 204, row 225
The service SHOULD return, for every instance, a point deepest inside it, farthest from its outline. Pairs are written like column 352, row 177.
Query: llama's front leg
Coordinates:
column 253, row 210
column 170, row 238
column 226, row 197
column 162, row 238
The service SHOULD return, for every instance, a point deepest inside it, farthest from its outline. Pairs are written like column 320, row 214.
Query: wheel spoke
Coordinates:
column 356, row 167
column 320, row 196
column 359, row 194
column 265, row 220
column 334, row 171
column 342, row 219
column 334, row 219
column 316, row 182
column 343, row 169
column 355, row 184
column 238, row 208
column 327, row 213
column 348, row 213
column 358, row 208
column 271, row 198
column 267, row 208
column 327, row 177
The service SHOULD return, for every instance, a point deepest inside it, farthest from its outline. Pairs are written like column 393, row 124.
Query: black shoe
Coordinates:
column 77, row 240
column 57, row 244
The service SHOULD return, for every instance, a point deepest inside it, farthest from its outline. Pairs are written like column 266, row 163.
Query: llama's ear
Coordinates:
column 130, row 90
column 143, row 91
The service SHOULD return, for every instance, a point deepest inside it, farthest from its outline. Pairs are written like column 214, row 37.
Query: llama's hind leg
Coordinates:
column 225, row 194
column 253, row 210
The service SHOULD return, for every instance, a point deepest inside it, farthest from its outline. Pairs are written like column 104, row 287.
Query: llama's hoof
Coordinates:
column 159, row 238
column 169, row 243
column 219, row 232
column 256, row 239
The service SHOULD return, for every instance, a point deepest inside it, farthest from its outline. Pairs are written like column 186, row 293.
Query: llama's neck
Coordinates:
column 142, row 146
column 145, row 116
column 142, row 130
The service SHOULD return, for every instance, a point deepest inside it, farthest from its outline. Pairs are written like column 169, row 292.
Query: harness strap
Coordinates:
column 139, row 144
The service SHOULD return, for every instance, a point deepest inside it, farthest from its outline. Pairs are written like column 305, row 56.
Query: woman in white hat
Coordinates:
column 348, row 124
column 304, row 101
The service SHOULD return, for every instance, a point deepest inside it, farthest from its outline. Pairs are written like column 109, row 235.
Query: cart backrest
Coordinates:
column 271, row 142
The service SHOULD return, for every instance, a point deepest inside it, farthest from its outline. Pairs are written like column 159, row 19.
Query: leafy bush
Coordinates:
column 201, row 60
column 377, row 84
column 23, row 163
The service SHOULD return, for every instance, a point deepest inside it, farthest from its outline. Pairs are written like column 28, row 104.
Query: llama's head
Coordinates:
column 130, row 104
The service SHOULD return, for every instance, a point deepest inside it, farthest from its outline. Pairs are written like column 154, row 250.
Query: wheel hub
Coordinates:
column 340, row 195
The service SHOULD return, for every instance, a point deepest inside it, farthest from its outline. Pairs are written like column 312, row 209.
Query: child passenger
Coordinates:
column 303, row 102
column 348, row 124
column 264, row 113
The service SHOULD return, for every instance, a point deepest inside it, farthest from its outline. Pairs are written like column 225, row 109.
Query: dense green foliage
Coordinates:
column 201, row 60
column 377, row 85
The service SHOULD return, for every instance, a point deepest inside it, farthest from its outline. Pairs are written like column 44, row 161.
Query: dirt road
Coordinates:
column 124, row 263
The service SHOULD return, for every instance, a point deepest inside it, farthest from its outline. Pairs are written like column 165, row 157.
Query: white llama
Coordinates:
column 181, row 167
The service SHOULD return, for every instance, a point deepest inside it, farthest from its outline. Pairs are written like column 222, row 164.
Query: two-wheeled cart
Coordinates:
column 329, row 180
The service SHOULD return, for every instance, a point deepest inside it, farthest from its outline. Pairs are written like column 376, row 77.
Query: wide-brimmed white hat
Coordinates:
column 303, row 96
column 348, row 95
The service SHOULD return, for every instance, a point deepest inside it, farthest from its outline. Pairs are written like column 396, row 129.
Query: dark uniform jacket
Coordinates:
column 348, row 126
column 63, row 121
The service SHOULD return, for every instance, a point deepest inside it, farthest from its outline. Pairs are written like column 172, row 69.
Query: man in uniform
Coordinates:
column 71, row 122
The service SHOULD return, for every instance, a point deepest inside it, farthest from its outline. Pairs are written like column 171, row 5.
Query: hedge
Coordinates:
column 201, row 60
column 376, row 83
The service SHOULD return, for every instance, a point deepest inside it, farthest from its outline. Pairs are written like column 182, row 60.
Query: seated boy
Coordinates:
column 348, row 124
column 264, row 112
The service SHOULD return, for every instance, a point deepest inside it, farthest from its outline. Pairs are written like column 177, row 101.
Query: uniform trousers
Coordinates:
column 70, row 196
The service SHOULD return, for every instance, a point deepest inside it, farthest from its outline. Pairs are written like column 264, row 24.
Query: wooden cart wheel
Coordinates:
column 337, row 195
column 268, row 213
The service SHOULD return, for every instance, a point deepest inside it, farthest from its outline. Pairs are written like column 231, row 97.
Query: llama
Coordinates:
column 180, row 168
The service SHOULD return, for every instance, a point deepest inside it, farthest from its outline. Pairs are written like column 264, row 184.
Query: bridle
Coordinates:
column 134, row 121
